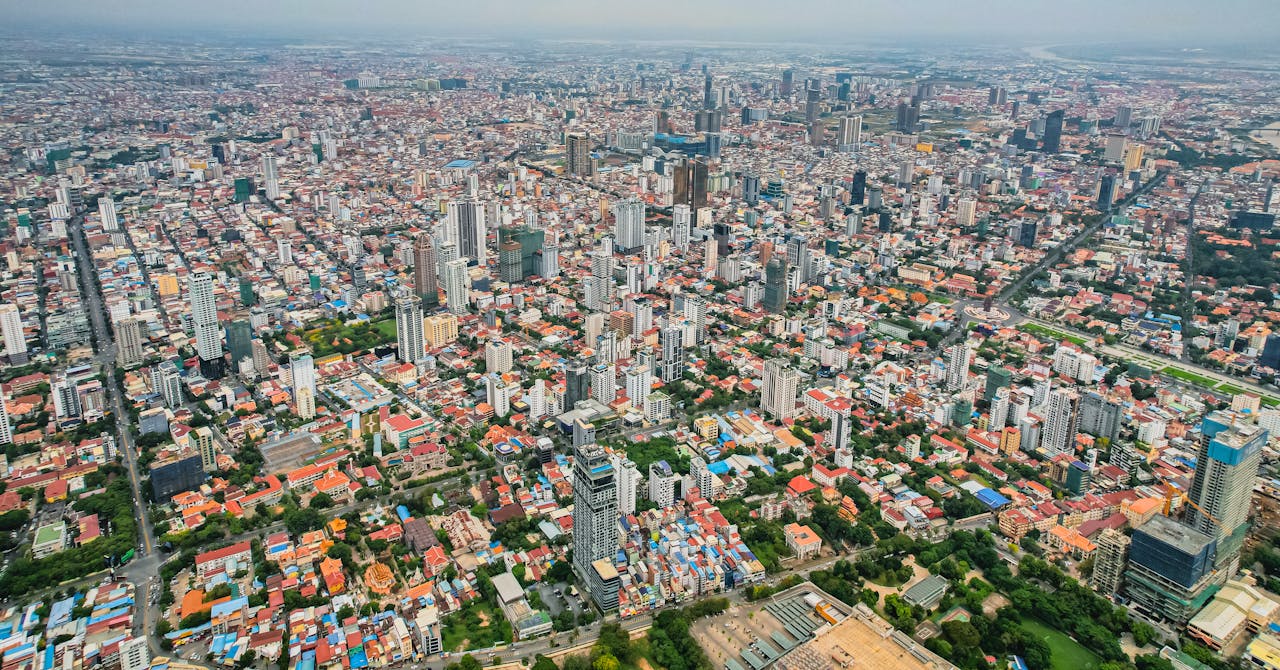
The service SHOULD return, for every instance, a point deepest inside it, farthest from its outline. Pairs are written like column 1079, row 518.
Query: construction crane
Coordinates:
column 1171, row 492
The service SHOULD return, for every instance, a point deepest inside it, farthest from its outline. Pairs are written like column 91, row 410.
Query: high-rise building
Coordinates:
column 497, row 356
column 1110, row 561
column 457, row 285
column 510, row 265
column 204, row 317
column 129, row 340
column 850, row 133
column 1053, row 132
column 1061, row 420
column 425, row 281
column 465, row 227
column 595, row 524
column 1171, row 572
column 15, row 340
column 1226, row 468
column 689, row 183
column 702, row 477
column 998, row 376
column 576, row 384
column 779, row 388
column 775, row 285
column 999, row 415
column 628, row 478
column 270, row 178
column 107, row 210
column 206, row 447
column 695, row 310
column 409, row 325
column 966, row 209
column 304, row 386
column 1123, row 117
column 1101, row 416
column 959, row 358
column 239, row 340
column 6, row 428
column 1106, row 191
column 629, row 223
column 681, row 226
column 751, row 189
column 604, row 383
column 284, row 251
column 639, row 383
column 671, row 360
column 578, row 155
column 788, row 81
column 135, row 654
column 166, row 382
column 662, row 484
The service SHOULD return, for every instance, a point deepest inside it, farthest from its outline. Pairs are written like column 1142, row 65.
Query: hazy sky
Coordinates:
column 987, row 21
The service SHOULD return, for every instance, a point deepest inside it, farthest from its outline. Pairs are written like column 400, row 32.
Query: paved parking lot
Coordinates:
column 556, row 604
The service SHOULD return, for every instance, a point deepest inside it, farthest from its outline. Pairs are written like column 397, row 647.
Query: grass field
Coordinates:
column 1067, row 653
column 1037, row 329
column 387, row 327
column 1186, row 376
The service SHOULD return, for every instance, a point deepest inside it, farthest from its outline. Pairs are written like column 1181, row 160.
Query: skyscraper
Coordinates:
column 959, row 358
column 576, row 384
column 604, row 383
column 510, row 265
column 1110, row 561
column 662, row 484
column 304, row 386
column 775, row 285
column 107, row 210
column 204, row 317
column 689, row 183
column 1101, row 416
column 425, row 282
column 129, row 341
column 779, row 388
column 1060, row 422
column 497, row 356
column 681, row 226
column 457, row 285
column 6, row 429
column 595, row 524
column 850, row 133
column 1106, row 191
column 1171, row 572
column 409, row 336
column 465, row 227
column 15, row 340
column 628, row 478
column 166, row 382
column 1053, row 132
column 671, row 344
column 270, row 178
column 695, row 310
column 1226, row 467
column 578, row 155
column 629, row 223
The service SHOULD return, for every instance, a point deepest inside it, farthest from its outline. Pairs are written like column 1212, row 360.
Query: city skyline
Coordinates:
column 1020, row 23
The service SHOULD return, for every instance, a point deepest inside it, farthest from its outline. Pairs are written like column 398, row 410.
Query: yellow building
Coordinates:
column 166, row 285
column 440, row 330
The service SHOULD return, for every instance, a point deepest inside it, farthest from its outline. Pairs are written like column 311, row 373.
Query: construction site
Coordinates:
column 805, row 628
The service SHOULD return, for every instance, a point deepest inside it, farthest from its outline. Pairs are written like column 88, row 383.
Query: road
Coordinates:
column 146, row 563
column 1189, row 272
column 105, row 357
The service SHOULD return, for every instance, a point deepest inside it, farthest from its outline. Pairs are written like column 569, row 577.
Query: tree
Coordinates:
column 605, row 662
column 541, row 662
column 321, row 501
